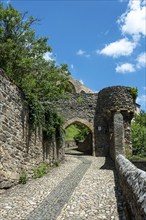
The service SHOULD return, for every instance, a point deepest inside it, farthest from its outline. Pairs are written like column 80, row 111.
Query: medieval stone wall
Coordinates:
column 78, row 105
column 78, row 86
column 133, row 185
column 20, row 149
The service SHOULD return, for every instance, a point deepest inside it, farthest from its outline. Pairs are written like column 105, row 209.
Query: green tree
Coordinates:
column 82, row 134
column 22, row 53
column 139, row 134
column 22, row 59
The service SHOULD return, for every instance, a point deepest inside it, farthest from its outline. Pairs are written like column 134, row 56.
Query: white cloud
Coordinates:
column 81, row 81
column 125, row 68
column 72, row 66
column 141, row 100
column 144, row 87
column 133, row 21
column 129, row 68
column 48, row 56
column 122, row 47
column 141, row 60
column 81, row 52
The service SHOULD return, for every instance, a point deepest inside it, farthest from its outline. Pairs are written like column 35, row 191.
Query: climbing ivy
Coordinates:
column 53, row 124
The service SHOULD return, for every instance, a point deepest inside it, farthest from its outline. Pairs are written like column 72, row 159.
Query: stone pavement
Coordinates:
column 83, row 187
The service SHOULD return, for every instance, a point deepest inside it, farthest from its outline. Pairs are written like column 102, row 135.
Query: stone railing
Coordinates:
column 133, row 184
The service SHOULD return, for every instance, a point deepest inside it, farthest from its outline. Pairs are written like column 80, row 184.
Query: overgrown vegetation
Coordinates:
column 56, row 163
column 80, row 100
column 22, row 58
column 83, row 133
column 70, row 132
column 77, row 132
column 134, row 92
column 139, row 136
column 23, row 177
column 41, row 170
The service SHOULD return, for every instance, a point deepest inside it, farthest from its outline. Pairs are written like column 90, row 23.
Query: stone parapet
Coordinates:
column 133, row 184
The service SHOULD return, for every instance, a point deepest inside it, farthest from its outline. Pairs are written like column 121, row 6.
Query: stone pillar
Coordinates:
column 118, row 134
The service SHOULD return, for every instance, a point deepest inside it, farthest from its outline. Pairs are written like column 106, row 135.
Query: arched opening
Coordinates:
column 79, row 136
column 82, row 91
column 70, row 88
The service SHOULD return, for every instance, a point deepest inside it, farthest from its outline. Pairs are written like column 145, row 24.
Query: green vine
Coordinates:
column 52, row 124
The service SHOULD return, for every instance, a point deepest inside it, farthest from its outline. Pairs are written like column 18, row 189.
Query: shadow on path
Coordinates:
column 75, row 151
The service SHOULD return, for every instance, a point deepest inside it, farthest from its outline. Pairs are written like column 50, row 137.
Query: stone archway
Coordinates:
column 87, row 124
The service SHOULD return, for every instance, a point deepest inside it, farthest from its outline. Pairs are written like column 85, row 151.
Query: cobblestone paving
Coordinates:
column 81, row 188
column 95, row 196
column 19, row 201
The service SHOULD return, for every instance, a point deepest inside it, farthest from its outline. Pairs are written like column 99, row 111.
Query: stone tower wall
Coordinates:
column 113, row 100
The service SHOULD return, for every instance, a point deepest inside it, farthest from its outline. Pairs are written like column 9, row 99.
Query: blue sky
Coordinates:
column 103, row 42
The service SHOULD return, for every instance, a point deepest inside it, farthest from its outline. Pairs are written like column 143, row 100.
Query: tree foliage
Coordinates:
column 134, row 92
column 22, row 59
column 139, row 134
column 82, row 134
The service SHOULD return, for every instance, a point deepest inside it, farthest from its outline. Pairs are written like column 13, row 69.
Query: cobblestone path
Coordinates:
column 84, row 187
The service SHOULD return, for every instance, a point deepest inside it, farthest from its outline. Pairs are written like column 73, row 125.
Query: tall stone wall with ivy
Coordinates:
column 20, row 148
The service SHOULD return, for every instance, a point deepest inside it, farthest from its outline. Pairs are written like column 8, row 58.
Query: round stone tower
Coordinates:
column 114, row 112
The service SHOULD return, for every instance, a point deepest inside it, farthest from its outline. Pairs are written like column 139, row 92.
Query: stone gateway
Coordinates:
column 106, row 114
